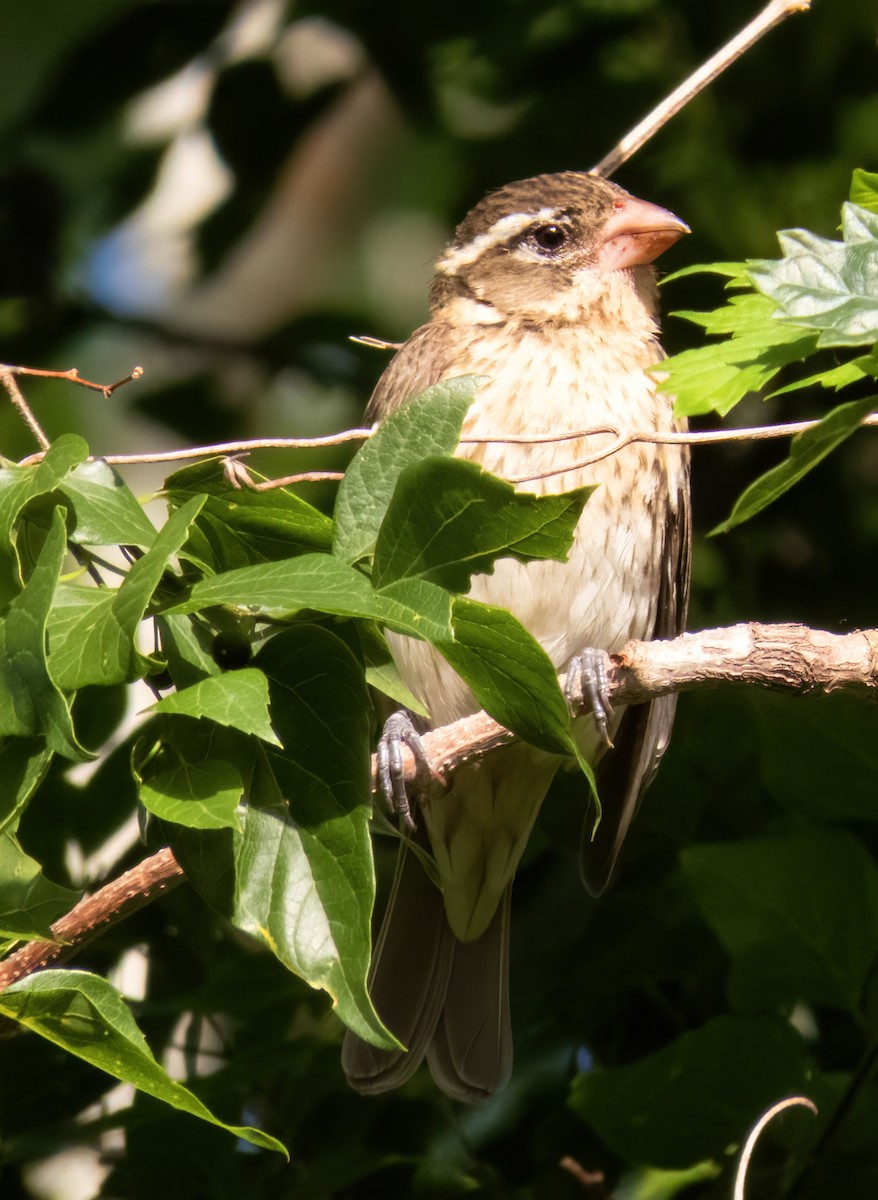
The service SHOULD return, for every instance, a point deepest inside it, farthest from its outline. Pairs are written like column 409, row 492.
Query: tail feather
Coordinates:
column 470, row 1055
column 409, row 979
column 444, row 999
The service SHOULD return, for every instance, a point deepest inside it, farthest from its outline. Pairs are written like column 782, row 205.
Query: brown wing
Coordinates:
column 627, row 771
column 421, row 362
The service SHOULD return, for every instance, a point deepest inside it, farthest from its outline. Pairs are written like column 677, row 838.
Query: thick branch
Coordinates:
column 786, row 658
column 789, row 658
column 92, row 915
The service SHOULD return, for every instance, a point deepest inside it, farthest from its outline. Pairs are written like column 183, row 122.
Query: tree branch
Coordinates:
column 787, row 658
column 91, row 916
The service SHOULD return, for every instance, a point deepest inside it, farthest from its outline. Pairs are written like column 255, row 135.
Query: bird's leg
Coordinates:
column 399, row 730
column 587, row 688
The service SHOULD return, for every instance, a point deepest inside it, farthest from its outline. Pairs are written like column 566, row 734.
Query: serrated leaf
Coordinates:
column 238, row 699
column 94, row 631
column 735, row 272
column 29, row 902
column 324, row 583
column 30, row 699
column 826, row 285
column 448, row 520
column 200, row 795
column 798, row 914
column 806, row 451
column 717, row 376
column 298, row 876
column 833, row 377
column 864, row 189
column 237, row 527
column 106, row 513
column 697, row 1096
column 427, row 425
column 85, row 1015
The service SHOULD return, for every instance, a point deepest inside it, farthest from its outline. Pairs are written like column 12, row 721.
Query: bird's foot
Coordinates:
column 587, row 688
column 399, row 731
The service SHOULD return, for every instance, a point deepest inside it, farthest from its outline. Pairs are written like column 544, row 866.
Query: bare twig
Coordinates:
column 73, row 376
column 91, row 916
column 708, row 437
column 756, row 1132
column 774, row 12
column 7, row 378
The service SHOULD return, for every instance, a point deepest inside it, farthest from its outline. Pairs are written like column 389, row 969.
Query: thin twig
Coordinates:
column 775, row 12
column 670, row 438
column 225, row 448
column 73, row 376
column 7, row 378
column 756, row 1132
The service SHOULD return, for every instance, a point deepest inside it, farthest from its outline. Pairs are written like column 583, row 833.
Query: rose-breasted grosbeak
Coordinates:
column 547, row 290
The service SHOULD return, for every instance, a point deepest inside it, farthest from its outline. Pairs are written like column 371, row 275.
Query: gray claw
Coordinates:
column 588, row 688
column 399, row 731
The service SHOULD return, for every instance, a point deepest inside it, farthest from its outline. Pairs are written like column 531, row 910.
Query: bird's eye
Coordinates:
column 549, row 238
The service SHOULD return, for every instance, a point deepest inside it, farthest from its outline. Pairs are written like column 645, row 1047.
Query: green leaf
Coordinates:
column 697, row 1096
column 86, row 1016
column 20, row 485
column 106, row 513
column 238, row 527
column 427, row 425
column 806, row 451
column 202, row 794
column 29, row 902
column 23, row 765
column 30, row 700
column 381, row 671
column 298, row 876
column 826, row 285
column 716, row 376
column 798, row 914
column 324, row 583
column 509, row 673
column 448, row 520
column 93, row 632
column 238, row 699
column 187, row 646
column 735, row 272
column 864, row 189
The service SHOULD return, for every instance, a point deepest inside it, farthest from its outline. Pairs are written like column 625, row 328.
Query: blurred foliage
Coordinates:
column 224, row 193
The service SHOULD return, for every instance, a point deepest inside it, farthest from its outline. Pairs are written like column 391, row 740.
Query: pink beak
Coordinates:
column 637, row 233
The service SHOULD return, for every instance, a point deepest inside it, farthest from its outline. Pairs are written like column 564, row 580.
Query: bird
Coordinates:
column 547, row 291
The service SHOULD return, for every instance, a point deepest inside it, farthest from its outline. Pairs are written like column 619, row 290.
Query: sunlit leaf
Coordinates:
column 85, row 1015
column 806, row 451
column 448, row 520
column 427, row 425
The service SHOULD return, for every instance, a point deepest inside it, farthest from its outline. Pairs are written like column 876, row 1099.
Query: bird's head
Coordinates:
column 556, row 248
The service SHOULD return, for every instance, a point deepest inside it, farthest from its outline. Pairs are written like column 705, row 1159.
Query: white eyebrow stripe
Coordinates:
column 501, row 231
